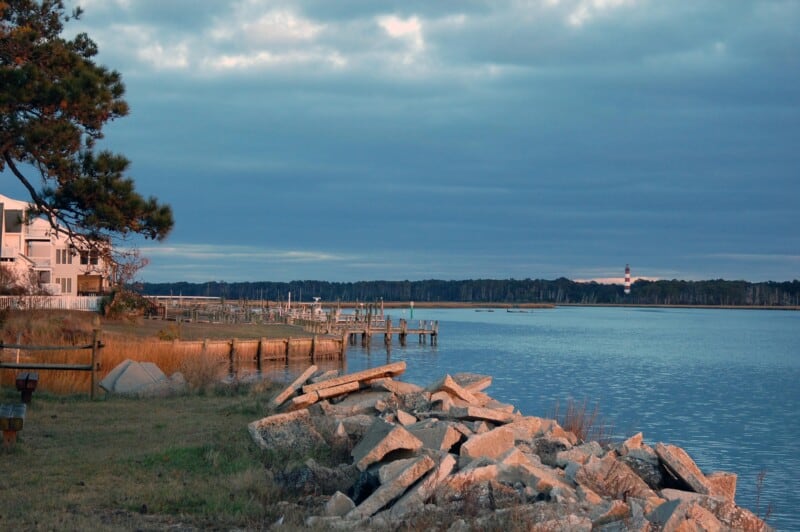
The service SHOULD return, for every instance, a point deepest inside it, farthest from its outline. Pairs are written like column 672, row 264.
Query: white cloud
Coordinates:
column 211, row 253
column 280, row 26
column 161, row 57
column 407, row 30
column 585, row 10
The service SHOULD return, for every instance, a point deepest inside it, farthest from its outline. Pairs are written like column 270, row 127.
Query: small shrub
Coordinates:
column 759, row 491
column 126, row 304
column 169, row 333
column 203, row 371
column 584, row 423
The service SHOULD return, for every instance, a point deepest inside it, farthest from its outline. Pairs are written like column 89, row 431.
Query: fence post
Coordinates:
column 95, row 360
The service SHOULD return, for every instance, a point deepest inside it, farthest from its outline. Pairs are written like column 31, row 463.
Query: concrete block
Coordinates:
column 473, row 413
column 610, row 477
column 292, row 431
column 388, row 370
column 450, row 386
column 294, row 386
column 492, row 444
column 473, row 382
column 338, row 505
column 723, row 484
column 439, row 435
column 381, row 439
column 397, row 387
column 679, row 462
column 404, row 418
column 418, row 494
column 393, row 488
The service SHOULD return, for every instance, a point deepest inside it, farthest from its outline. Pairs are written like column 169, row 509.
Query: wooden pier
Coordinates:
column 424, row 331
column 365, row 322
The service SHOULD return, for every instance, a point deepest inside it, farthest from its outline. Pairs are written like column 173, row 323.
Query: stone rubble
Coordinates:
column 449, row 456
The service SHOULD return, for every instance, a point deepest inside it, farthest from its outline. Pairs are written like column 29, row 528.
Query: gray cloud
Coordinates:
column 464, row 139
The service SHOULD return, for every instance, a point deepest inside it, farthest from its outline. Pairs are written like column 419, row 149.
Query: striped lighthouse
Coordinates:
column 627, row 279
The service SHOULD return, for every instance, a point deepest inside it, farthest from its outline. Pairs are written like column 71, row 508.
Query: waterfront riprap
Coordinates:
column 719, row 383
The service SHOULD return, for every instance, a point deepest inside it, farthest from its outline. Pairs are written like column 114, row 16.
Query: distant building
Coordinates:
column 627, row 279
column 36, row 250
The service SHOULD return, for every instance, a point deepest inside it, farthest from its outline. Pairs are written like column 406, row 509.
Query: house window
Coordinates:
column 63, row 256
column 66, row 284
column 13, row 219
column 89, row 257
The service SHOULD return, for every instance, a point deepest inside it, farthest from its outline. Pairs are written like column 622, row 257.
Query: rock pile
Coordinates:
column 450, row 456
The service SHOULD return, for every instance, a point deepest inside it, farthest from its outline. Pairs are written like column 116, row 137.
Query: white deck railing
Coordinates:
column 89, row 303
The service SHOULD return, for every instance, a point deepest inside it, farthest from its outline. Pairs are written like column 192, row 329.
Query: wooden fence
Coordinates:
column 93, row 365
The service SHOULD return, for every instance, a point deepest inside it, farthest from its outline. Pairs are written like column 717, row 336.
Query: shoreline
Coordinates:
column 499, row 305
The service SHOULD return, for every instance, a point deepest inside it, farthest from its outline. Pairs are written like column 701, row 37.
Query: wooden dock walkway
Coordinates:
column 424, row 331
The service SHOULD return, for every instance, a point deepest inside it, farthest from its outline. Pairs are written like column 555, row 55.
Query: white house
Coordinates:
column 34, row 248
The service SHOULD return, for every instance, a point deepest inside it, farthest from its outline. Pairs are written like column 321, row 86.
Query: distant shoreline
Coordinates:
column 496, row 305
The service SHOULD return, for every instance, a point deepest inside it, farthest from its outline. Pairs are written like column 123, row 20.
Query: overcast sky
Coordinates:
column 364, row 140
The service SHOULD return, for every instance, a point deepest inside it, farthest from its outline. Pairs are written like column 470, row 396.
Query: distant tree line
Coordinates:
column 559, row 291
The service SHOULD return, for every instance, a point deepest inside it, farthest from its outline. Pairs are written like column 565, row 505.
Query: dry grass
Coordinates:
column 127, row 340
column 582, row 421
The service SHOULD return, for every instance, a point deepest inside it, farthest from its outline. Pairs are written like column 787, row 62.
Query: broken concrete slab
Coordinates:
column 381, row 439
column 610, row 477
column 470, row 475
column 397, row 387
column 474, row 413
column 722, row 483
column 388, row 370
column 679, row 515
column 543, row 479
column 338, row 505
column 404, row 418
column 320, row 376
column 335, row 391
column 681, row 464
column 292, row 431
column 294, row 386
column 418, row 494
column 450, row 386
column 579, row 454
column 474, row 382
column 393, row 488
column 434, row 434
column 525, row 428
column 634, row 442
column 730, row 515
column 492, row 444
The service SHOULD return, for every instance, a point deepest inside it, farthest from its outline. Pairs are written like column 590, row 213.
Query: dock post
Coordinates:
column 387, row 336
column 260, row 353
column 402, row 334
column 232, row 358
column 313, row 347
column 345, row 339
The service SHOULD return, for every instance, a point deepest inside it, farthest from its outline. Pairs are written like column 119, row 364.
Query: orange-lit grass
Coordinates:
column 202, row 364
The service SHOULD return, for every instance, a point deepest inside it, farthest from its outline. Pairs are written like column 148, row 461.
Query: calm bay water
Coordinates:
column 722, row 384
